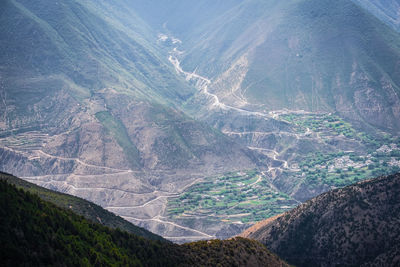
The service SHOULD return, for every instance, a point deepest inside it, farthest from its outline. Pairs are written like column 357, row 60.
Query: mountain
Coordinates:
column 196, row 119
column 386, row 10
column 353, row 226
column 301, row 55
column 91, row 106
column 35, row 232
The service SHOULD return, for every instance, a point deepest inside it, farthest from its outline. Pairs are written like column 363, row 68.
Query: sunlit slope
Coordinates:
column 181, row 17
column 84, row 47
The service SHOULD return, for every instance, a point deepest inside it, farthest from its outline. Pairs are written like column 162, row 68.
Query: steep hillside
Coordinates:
column 354, row 226
column 311, row 55
column 37, row 233
column 89, row 210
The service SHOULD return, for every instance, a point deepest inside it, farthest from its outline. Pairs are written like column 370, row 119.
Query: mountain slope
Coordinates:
column 36, row 232
column 354, row 226
column 181, row 17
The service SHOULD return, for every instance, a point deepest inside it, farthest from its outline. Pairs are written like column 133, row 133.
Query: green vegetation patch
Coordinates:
column 329, row 124
column 236, row 197
column 341, row 169
column 118, row 131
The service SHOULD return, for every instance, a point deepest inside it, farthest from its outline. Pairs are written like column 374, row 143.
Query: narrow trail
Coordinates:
column 295, row 135
column 156, row 219
column 202, row 85
column 169, row 195
column 138, row 206
column 84, row 163
column 256, row 182
column 73, row 187
column 76, row 175
column 185, row 238
column 264, row 149
column 247, row 132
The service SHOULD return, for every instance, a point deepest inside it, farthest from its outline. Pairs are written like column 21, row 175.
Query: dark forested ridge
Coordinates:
column 354, row 226
column 34, row 232
column 82, row 207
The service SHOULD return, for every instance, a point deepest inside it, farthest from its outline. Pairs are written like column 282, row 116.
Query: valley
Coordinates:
column 198, row 130
column 339, row 155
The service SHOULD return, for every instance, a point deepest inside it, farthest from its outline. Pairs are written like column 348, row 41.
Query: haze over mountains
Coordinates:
column 386, row 10
column 195, row 119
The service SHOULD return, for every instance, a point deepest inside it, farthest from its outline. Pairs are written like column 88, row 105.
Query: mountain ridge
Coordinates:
column 355, row 225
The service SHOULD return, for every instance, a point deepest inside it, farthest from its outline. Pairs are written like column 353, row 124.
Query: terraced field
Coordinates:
column 237, row 197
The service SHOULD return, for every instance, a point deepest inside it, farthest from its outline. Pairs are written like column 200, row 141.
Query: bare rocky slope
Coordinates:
column 354, row 226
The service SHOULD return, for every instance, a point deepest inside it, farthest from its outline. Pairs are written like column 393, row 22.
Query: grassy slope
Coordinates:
column 118, row 131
